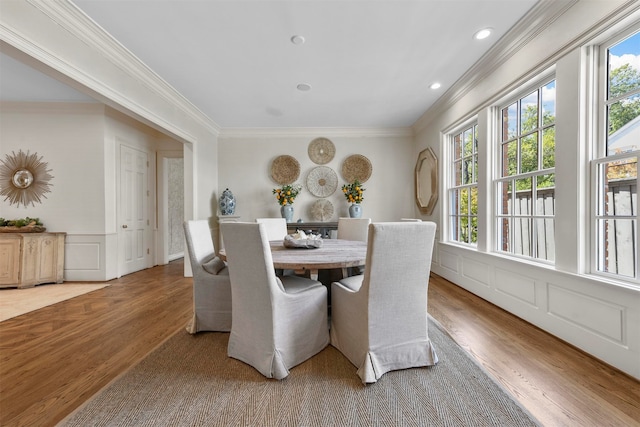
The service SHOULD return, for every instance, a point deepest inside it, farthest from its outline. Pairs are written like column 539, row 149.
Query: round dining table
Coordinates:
column 334, row 253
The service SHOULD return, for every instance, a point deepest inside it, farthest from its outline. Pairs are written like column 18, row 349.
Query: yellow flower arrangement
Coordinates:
column 286, row 194
column 353, row 192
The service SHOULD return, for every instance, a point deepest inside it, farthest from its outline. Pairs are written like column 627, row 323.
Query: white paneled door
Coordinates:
column 133, row 235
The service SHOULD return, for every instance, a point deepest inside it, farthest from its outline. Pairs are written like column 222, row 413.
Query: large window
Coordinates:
column 616, row 166
column 526, row 181
column 463, row 186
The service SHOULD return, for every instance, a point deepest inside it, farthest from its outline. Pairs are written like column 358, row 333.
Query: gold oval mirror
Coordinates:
column 427, row 181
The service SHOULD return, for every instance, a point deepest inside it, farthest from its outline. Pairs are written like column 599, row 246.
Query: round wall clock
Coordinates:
column 321, row 151
column 322, row 181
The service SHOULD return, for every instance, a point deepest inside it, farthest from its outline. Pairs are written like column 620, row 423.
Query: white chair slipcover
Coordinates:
column 278, row 323
column 379, row 319
column 211, row 285
column 353, row 229
column 276, row 227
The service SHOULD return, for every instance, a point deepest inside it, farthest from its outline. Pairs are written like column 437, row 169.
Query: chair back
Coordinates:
column 353, row 228
column 276, row 228
column 253, row 279
column 199, row 242
column 396, row 278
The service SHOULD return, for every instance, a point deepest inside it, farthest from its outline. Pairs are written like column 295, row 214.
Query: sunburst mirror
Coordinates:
column 24, row 178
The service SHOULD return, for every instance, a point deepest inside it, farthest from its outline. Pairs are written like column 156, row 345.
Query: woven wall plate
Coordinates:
column 321, row 210
column 321, row 151
column 322, row 181
column 357, row 167
column 285, row 169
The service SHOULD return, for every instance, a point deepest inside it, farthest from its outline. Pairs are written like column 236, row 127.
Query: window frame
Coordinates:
column 451, row 185
column 498, row 215
column 600, row 156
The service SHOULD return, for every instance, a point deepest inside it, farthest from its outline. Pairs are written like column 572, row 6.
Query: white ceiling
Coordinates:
column 369, row 63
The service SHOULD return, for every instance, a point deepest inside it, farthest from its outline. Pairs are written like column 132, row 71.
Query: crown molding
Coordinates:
column 74, row 21
column 313, row 132
column 543, row 14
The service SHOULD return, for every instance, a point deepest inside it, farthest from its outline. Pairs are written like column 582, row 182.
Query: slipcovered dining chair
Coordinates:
column 276, row 227
column 211, row 285
column 276, row 230
column 278, row 323
column 353, row 229
column 379, row 319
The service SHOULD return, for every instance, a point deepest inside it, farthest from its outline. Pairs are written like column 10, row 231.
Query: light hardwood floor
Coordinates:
column 55, row 358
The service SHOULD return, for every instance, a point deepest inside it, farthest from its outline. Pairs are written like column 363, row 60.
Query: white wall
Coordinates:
column 598, row 316
column 245, row 168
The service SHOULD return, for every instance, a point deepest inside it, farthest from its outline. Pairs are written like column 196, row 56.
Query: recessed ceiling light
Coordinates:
column 435, row 85
column 297, row 40
column 483, row 34
column 304, row 87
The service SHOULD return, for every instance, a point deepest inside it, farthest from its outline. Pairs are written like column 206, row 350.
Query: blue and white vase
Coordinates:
column 355, row 210
column 227, row 203
column 287, row 212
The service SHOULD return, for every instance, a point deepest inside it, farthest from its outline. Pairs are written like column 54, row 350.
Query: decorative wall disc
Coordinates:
column 357, row 167
column 321, row 210
column 321, row 151
column 322, row 181
column 285, row 169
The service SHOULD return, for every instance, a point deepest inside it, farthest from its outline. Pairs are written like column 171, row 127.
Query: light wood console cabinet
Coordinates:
column 29, row 259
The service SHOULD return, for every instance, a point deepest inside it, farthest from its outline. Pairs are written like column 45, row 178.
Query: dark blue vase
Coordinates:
column 227, row 203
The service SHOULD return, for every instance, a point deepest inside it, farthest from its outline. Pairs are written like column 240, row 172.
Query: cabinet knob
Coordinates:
column 124, row 226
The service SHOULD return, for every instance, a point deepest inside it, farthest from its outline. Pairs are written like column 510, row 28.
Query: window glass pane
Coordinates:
column 504, row 237
column 619, row 250
column 464, row 201
column 457, row 148
column 455, row 202
column 549, row 104
column 510, row 158
column 457, row 172
column 623, row 69
column 529, row 153
column 545, row 239
column 464, row 229
column 521, row 236
column 474, row 200
column 474, row 230
column 549, row 148
column 524, row 194
column 529, row 112
column 545, row 195
column 509, row 122
column 624, row 125
column 467, row 138
column 504, row 191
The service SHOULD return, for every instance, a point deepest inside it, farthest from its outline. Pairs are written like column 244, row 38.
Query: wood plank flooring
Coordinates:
column 55, row 358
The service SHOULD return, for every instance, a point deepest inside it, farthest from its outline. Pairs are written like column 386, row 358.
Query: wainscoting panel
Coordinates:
column 84, row 258
column 475, row 270
column 448, row 260
column 516, row 285
column 598, row 316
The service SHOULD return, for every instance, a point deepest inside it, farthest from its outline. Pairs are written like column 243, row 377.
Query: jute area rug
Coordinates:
column 15, row 302
column 190, row 381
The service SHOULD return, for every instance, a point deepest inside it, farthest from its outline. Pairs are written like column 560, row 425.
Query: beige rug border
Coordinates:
column 15, row 302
